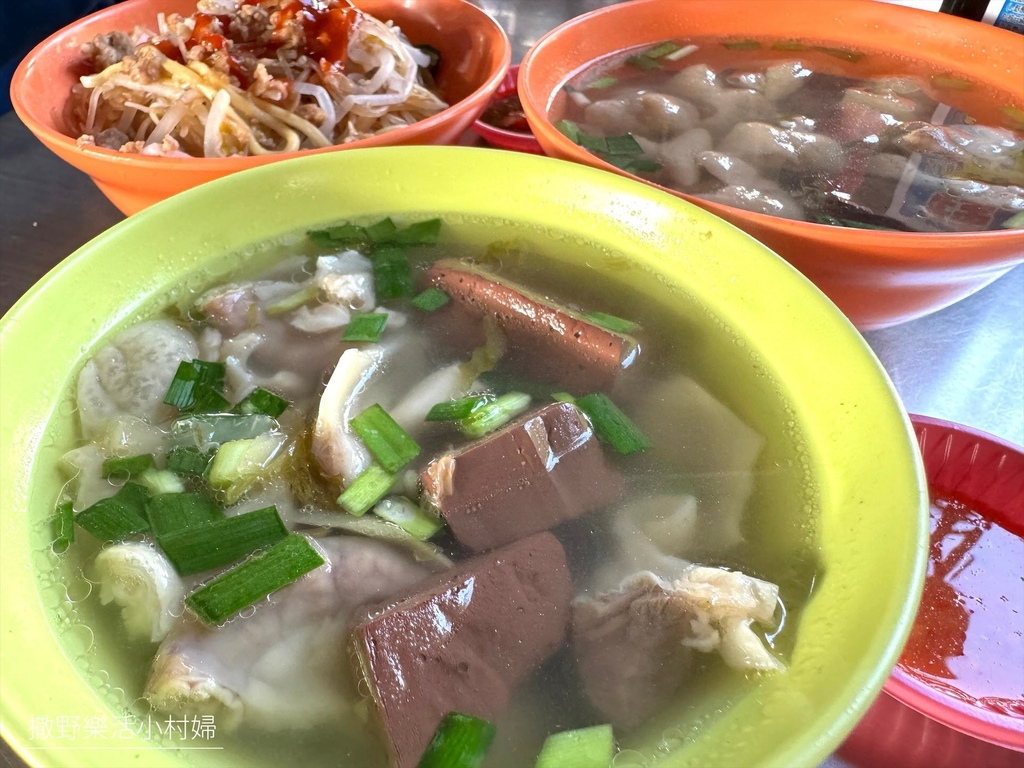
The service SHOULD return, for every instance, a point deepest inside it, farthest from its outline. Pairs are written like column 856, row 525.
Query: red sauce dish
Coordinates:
column 503, row 122
column 956, row 696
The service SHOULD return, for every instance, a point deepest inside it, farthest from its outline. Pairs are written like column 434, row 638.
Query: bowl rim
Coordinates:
column 537, row 115
column 983, row 724
column 311, row 182
column 156, row 163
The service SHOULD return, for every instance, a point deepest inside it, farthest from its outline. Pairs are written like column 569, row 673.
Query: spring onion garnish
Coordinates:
column 197, row 385
column 366, row 490
column 1014, row 222
column 261, row 401
column 254, row 579
column 493, row 414
column 742, row 45
column 186, row 460
column 365, row 327
column 460, row 408
column 240, row 463
column 592, row 747
column 621, row 151
column 384, row 232
column 562, row 397
column 602, row 82
column 662, row 49
column 211, row 430
column 430, row 299
column 117, row 517
column 789, row 45
column 214, row 544
column 460, row 741
column 392, row 274
column 643, row 61
column 63, row 526
column 403, row 513
column 611, row 424
column 840, row 53
column 121, row 468
column 611, row 322
column 158, row 481
column 171, row 512
column 388, row 442
column 293, row 300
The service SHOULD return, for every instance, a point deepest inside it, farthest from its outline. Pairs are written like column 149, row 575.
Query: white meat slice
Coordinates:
column 285, row 666
column 337, row 449
column 130, row 375
column 142, row 581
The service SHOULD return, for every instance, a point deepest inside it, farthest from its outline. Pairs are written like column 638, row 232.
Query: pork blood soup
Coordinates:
column 806, row 131
column 382, row 474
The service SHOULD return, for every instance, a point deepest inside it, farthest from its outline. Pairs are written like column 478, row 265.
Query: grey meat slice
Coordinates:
column 463, row 641
column 540, row 471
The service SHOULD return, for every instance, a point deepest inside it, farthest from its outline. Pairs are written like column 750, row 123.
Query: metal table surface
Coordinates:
column 964, row 363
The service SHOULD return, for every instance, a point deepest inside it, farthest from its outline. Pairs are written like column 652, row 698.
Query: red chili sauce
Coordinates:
column 506, row 113
column 968, row 638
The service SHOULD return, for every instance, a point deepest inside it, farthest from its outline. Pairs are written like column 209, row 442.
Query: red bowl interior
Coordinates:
column 501, row 137
column 916, row 723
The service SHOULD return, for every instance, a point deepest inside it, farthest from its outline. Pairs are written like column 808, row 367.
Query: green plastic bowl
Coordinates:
column 764, row 339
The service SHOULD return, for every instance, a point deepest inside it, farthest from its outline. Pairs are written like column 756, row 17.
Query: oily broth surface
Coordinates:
column 679, row 334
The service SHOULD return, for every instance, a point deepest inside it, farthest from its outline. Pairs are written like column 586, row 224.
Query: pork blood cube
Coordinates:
column 463, row 641
column 542, row 340
column 539, row 471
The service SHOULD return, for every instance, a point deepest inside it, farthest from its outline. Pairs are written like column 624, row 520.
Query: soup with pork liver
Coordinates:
column 393, row 477
column 806, row 131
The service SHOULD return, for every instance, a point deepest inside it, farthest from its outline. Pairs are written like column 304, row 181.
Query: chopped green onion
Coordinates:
column 240, row 463
column 261, row 401
column 365, row 327
column 1014, row 222
column 661, row 50
column 201, row 547
column 403, row 513
column 193, row 379
column 208, row 400
column 254, row 579
column 840, row 53
column 461, row 741
column 592, row 143
column 459, row 408
column 1014, row 114
column 212, row 430
column 120, row 468
column 366, row 490
column 158, row 481
column 611, row 322
column 63, row 526
column 171, row 512
column 382, row 231
column 631, row 163
column 117, row 517
column 643, row 61
column 562, row 397
column 592, row 747
column 186, row 460
column 430, row 299
column 387, row 441
column 789, row 45
column 293, row 300
column 345, row 233
column 611, row 424
column 420, row 233
column 392, row 274
column 602, row 82
column 742, row 45
column 623, row 145
column 569, row 129
column 493, row 414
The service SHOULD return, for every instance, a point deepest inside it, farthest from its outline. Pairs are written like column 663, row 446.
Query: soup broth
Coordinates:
column 806, row 131
column 757, row 519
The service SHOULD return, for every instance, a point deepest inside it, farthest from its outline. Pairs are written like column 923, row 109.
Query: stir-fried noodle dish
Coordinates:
column 251, row 77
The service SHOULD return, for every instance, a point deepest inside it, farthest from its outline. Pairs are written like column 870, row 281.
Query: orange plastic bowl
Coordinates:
column 877, row 278
column 475, row 55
